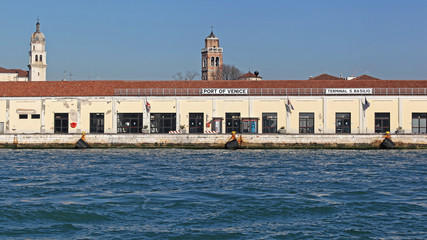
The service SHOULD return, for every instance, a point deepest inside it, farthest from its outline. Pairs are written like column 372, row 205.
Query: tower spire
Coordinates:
column 38, row 25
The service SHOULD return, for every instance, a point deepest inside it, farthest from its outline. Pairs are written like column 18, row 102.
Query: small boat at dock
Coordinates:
column 387, row 144
column 81, row 143
column 232, row 144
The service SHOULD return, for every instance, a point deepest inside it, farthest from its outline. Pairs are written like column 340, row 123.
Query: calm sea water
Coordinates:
column 213, row 194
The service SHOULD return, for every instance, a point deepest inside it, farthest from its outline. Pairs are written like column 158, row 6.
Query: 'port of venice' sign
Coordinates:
column 348, row 91
column 225, row 91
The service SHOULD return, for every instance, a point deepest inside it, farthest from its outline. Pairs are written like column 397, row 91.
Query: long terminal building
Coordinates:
column 316, row 106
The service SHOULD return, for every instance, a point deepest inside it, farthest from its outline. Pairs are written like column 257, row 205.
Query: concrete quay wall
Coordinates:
column 368, row 141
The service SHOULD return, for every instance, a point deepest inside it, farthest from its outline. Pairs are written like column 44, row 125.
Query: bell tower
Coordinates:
column 212, row 59
column 37, row 64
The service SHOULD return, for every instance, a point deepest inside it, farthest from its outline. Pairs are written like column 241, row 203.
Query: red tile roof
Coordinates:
column 106, row 88
column 365, row 77
column 249, row 75
column 21, row 73
column 325, row 77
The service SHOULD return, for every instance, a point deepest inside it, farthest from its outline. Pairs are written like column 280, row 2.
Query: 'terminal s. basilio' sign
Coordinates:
column 224, row 91
column 348, row 91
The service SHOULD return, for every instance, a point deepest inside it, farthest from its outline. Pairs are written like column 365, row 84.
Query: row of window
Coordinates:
column 165, row 122
column 382, row 123
column 214, row 62
column 25, row 116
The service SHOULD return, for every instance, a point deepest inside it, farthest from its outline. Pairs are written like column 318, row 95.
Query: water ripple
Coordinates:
column 212, row 194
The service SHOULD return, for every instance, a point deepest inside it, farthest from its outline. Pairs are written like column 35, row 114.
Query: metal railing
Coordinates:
column 263, row 92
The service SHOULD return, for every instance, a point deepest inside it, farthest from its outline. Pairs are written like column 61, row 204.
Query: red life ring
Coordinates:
column 73, row 124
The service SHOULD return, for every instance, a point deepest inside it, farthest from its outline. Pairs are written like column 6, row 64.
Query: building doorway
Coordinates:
column 250, row 125
column 232, row 122
column 61, row 123
column 196, row 122
column 97, row 123
column 306, row 123
column 162, row 122
column 343, row 122
column 382, row 122
column 269, row 122
column 217, row 124
column 129, row 122
column 419, row 123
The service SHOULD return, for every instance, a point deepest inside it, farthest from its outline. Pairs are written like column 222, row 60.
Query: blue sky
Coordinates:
column 152, row 40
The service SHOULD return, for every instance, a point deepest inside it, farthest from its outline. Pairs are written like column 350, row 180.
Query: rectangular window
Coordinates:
column 250, row 125
column 196, row 122
column 232, row 122
column 269, row 122
column 61, row 123
column 162, row 122
column 97, row 123
column 306, row 123
column 343, row 122
column 129, row 122
column 419, row 123
column 382, row 122
column 35, row 116
column 23, row 116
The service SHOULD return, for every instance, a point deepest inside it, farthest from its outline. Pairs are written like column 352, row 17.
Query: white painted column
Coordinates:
column 42, row 116
column 146, row 114
column 7, row 116
column 178, row 115
column 114, row 115
column 362, row 116
column 79, row 114
column 325, row 115
column 400, row 114
column 288, row 115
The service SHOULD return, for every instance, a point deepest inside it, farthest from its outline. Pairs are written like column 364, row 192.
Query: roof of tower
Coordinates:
column 37, row 36
column 212, row 35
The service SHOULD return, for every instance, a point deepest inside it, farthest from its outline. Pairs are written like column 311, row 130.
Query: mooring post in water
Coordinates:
column 15, row 141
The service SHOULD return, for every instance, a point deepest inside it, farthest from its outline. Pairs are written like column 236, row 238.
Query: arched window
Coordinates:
column 217, row 61
column 41, row 58
column 212, row 61
column 34, row 47
column 37, row 58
